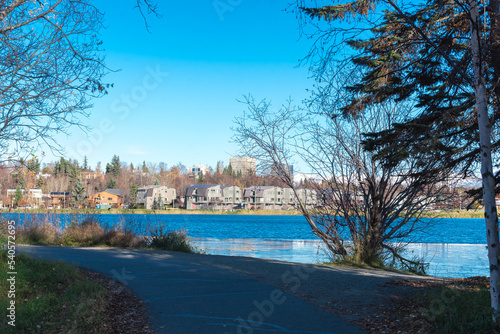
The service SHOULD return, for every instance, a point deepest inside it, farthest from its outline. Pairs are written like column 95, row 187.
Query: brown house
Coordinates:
column 109, row 198
column 59, row 200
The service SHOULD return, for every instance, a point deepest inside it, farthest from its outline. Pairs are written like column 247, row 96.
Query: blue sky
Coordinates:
column 175, row 96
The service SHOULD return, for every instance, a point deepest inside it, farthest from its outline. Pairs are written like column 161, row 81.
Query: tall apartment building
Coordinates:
column 243, row 165
column 196, row 170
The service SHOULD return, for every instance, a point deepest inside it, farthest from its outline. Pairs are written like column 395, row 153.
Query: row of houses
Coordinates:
column 146, row 197
column 200, row 196
column 217, row 197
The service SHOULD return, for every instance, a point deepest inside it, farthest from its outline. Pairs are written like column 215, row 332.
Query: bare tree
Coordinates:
column 51, row 67
column 368, row 209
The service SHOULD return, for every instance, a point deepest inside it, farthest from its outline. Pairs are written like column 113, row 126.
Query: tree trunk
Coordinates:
column 490, row 211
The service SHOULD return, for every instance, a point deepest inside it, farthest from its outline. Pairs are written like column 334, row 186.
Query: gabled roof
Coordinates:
column 202, row 186
column 203, row 189
column 118, row 192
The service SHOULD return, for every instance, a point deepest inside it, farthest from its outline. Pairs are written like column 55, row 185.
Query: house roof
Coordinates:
column 202, row 187
column 118, row 192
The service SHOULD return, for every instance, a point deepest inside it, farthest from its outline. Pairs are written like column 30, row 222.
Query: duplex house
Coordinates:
column 203, row 196
column 109, row 198
column 231, row 197
column 263, row 197
column 308, row 197
column 148, row 196
column 59, row 200
column 31, row 197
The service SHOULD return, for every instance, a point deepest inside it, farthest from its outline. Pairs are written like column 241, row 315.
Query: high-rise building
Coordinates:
column 243, row 165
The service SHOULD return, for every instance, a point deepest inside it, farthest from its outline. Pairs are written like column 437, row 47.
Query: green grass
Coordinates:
column 50, row 297
column 456, row 308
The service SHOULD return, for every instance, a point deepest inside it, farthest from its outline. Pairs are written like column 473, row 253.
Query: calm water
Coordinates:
column 453, row 247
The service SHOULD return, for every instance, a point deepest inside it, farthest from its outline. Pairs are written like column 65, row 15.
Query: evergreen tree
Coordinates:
column 21, row 180
column 115, row 165
column 111, row 184
column 157, row 182
column 133, row 195
column 33, row 166
column 18, row 195
column 442, row 59
column 78, row 194
column 160, row 202
column 200, row 177
column 144, row 167
column 40, row 182
column 228, row 170
column 85, row 163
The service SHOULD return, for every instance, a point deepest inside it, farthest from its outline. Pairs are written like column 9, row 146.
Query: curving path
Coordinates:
column 190, row 293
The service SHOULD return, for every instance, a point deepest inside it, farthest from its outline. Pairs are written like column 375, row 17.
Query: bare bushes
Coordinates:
column 90, row 230
column 176, row 241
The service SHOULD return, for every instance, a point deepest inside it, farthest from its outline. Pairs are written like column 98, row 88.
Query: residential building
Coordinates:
column 263, row 197
column 147, row 196
column 231, row 197
column 32, row 198
column 109, row 198
column 59, row 200
column 203, row 196
column 308, row 197
column 90, row 175
column 196, row 170
column 244, row 166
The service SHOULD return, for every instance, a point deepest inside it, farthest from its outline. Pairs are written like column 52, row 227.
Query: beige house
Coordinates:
column 203, row 196
column 148, row 196
column 231, row 197
column 32, row 198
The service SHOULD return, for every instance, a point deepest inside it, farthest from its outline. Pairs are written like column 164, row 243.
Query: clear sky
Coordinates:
column 175, row 96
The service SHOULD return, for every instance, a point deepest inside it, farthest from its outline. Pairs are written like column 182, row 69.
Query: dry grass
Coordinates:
column 88, row 230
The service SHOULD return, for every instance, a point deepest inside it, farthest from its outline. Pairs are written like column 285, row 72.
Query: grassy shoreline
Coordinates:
column 431, row 214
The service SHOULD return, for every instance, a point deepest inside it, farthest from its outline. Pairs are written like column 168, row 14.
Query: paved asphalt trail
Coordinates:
column 184, row 297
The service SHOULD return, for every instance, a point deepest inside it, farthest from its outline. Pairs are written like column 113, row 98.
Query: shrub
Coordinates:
column 176, row 241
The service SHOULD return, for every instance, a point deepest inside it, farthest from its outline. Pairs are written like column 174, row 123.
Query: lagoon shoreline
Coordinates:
column 431, row 214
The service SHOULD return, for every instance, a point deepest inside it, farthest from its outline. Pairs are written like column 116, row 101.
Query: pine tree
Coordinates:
column 33, row 166
column 200, row 177
column 442, row 59
column 85, row 163
column 115, row 166
column 133, row 195
column 21, row 180
column 78, row 194
column 40, row 182
column 111, row 184
column 160, row 202
column 18, row 195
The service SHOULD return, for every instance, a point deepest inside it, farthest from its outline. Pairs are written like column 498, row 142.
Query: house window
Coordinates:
column 110, row 199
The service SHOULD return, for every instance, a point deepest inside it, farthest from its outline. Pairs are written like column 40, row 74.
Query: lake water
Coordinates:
column 453, row 247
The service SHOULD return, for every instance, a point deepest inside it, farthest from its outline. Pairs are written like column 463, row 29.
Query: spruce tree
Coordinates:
column 18, row 195
column 160, row 202
column 78, row 193
column 441, row 58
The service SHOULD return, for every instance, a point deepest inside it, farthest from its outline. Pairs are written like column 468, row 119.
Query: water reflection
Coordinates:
column 445, row 260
